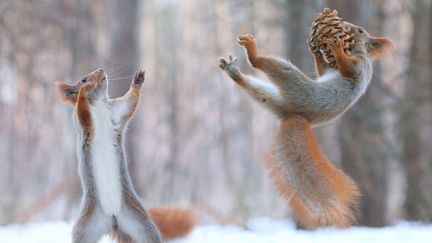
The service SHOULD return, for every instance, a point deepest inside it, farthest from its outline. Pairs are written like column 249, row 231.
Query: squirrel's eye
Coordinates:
column 83, row 80
column 360, row 30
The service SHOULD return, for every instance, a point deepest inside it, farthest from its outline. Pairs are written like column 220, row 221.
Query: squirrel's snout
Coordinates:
column 100, row 75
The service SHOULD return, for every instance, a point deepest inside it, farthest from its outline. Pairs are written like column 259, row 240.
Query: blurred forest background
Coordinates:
column 197, row 139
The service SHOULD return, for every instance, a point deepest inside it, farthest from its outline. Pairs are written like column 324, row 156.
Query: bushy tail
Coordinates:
column 173, row 222
column 318, row 193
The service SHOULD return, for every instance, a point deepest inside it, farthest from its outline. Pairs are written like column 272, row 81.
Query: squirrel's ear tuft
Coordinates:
column 378, row 46
column 67, row 92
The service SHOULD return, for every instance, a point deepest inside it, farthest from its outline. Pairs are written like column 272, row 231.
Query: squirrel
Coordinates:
column 110, row 203
column 318, row 193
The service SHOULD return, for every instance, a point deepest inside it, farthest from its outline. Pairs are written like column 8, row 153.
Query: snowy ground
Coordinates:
column 260, row 231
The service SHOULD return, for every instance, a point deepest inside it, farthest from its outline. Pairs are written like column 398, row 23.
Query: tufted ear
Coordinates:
column 68, row 92
column 377, row 46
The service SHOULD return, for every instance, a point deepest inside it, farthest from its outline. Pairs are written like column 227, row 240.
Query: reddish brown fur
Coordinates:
column 68, row 92
column 249, row 43
column 347, row 64
column 83, row 111
column 240, row 80
column 173, row 222
column 384, row 45
column 342, row 188
column 299, row 210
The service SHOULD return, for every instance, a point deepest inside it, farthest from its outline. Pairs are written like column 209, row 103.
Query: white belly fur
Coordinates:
column 105, row 162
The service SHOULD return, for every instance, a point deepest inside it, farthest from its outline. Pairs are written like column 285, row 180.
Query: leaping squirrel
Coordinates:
column 110, row 203
column 318, row 193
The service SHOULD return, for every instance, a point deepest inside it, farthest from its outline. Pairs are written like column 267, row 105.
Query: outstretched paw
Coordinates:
column 248, row 41
column 138, row 79
column 225, row 65
column 230, row 67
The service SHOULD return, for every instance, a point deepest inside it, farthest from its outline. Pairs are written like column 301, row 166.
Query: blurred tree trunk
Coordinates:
column 167, row 75
column 196, row 132
column 173, row 117
column 124, row 53
column 417, row 162
column 239, row 134
column 295, row 33
column 79, row 37
column 361, row 135
column 124, row 41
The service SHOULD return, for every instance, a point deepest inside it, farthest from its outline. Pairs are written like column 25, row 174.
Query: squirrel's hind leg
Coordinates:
column 135, row 223
column 91, row 225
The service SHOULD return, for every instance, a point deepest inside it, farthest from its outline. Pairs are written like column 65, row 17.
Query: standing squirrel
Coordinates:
column 110, row 203
column 318, row 193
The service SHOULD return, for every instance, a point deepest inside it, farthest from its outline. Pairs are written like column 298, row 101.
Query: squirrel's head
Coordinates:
column 94, row 85
column 364, row 42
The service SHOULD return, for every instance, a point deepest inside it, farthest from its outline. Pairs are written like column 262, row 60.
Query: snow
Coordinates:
column 259, row 231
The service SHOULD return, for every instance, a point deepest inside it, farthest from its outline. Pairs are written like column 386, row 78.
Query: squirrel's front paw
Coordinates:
column 334, row 43
column 314, row 48
column 248, row 41
column 227, row 65
column 230, row 66
column 138, row 79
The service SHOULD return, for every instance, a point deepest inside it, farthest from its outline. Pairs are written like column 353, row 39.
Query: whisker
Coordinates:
column 115, row 69
column 118, row 68
column 121, row 78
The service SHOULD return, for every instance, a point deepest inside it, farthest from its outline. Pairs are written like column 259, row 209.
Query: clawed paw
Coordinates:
column 334, row 43
column 314, row 48
column 225, row 65
column 230, row 67
column 247, row 40
column 139, row 77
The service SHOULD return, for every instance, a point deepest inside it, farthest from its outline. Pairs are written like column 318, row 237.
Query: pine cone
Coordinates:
column 329, row 25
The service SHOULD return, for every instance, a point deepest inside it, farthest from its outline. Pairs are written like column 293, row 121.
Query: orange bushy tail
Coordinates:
column 173, row 222
column 318, row 193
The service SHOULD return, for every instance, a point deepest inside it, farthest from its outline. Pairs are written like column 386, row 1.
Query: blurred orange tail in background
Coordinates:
column 173, row 222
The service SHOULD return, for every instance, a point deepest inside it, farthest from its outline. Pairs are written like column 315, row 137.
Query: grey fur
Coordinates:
column 317, row 102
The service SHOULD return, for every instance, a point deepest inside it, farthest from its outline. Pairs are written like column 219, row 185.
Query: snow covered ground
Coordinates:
column 260, row 231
